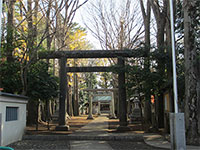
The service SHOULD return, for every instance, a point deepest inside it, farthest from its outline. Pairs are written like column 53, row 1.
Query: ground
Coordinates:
column 75, row 124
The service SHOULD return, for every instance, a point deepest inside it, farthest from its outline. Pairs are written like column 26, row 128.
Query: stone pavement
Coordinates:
column 94, row 129
column 159, row 141
column 94, row 136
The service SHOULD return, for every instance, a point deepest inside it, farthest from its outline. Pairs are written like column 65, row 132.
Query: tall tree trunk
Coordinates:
column 10, row 30
column 160, row 16
column 169, row 51
column 30, row 45
column 35, row 33
column 49, row 39
column 146, row 18
column 192, row 99
column 30, row 39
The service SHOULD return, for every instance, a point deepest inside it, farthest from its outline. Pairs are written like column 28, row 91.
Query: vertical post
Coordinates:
column 1, row 129
column 112, row 107
column 0, row 37
column 76, row 104
column 63, row 88
column 90, row 107
column 76, row 98
column 173, row 58
column 99, row 108
column 0, row 23
column 177, row 121
column 122, row 97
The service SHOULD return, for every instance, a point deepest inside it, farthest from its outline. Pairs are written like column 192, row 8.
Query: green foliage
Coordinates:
column 144, row 75
column 90, row 81
column 41, row 84
column 105, row 79
column 83, row 102
column 141, row 79
column 10, row 77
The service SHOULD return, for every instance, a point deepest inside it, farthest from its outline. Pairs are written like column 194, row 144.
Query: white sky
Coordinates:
column 81, row 14
column 78, row 19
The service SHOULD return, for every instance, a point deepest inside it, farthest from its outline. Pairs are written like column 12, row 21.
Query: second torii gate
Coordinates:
column 64, row 55
column 112, row 104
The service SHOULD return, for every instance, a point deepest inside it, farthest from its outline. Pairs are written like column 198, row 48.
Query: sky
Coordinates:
column 79, row 19
column 82, row 13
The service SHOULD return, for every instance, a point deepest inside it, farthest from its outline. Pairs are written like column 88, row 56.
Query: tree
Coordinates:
column 76, row 41
column 10, row 30
column 106, row 20
column 10, row 77
column 192, row 70
column 35, row 23
column 146, row 19
column 115, row 25
column 160, row 12
column 41, row 86
column 105, row 80
column 34, row 29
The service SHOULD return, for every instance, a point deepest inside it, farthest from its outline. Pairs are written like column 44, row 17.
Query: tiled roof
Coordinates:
column 102, row 98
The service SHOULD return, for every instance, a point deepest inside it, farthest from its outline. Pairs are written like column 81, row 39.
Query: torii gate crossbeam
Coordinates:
column 91, row 54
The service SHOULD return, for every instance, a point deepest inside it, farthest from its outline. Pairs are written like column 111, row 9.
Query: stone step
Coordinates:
column 136, row 138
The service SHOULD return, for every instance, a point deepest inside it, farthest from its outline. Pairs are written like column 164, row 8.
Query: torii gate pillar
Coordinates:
column 63, row 89
column 90, row 107
column 123, row 123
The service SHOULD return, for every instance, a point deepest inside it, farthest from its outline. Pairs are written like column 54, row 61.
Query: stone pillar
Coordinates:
column 110, row 106
column 63, row 88
column 90, row 107
column 112, row 103
column 57, row 105
column 99, row 108
column 123, row 123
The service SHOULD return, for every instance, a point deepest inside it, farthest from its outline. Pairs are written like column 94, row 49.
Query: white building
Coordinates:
column 12, row 117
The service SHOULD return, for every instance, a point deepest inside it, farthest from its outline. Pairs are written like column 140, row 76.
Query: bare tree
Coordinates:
column 116, row 25
column 62, row 11
column 106, row 20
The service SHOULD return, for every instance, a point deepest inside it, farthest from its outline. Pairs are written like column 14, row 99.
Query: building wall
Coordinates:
column 12, row 131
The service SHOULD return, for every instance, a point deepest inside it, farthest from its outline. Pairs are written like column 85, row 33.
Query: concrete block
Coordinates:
column 0, row 129
column 177, row 131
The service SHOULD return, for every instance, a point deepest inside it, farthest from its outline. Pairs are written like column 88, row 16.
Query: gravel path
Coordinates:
column 64, row 145
column 40, row 145
column 122, row 145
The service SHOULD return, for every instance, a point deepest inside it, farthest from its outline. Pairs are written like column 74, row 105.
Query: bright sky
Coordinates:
column 79, row 19
column 82, row 12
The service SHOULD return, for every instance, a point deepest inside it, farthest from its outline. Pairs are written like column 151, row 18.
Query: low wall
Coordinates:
column 12, row 117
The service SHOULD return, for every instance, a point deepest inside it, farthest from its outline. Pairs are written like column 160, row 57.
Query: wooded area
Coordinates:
column 37, row 29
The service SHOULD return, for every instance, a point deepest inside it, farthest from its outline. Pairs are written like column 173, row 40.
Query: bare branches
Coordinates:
column 104, row 22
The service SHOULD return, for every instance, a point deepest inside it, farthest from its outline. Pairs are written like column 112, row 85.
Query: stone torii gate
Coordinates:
column 112, row 104
column 64, row 55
